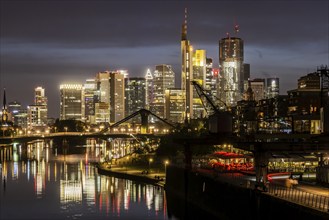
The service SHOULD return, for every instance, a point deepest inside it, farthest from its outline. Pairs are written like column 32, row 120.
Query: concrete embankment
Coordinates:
column 132, row 174
column 186, row 189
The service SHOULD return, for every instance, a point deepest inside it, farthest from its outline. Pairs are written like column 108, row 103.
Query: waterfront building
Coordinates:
column 163, row 78
column 37, row 116
column 272, row 115
column 117, row 95
column 305, row 104
column 246, row 117
column 231, row 84
column 14, row 108
column 272, row 87
column 175, row 105
column 102, row 112
column 187, row 70
column 135, row 94
column 71, row 102
column 258, row 87
column 148, row 89
column 199, row 75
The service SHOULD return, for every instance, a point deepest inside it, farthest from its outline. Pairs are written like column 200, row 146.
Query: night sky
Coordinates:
column 46, row 43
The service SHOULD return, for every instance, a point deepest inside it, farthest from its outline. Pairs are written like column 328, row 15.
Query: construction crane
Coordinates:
column 220, row 121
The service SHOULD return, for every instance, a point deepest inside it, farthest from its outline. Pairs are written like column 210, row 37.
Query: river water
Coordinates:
column 39, row 181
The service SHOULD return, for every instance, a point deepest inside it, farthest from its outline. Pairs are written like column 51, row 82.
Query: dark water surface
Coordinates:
column 39, row 183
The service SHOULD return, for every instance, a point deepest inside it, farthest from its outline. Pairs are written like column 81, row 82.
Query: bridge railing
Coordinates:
column 300, row 196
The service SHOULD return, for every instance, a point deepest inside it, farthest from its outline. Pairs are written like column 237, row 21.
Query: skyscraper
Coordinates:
column 199, row 75
column 103, row 85
column 175, row 105
column 258, row 87
column 90, row 97
column 164, row 78
column 117, row 95
column 71, row 103
column 37, row 114
column 148, row 88
column 39, row 96
column 187, row 70
column 272, row 87
column 135, row 94
column 231, row 69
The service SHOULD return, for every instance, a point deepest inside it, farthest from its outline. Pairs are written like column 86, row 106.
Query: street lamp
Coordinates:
column 150, row 161
column 166, row 163
column 65, row 129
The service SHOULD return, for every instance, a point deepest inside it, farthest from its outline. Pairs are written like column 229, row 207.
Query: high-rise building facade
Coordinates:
column 148, row 89
column 72, row 102
column 231, row 69
column 163, row 78
column 199, row 75
column 117, row 95
column 103, row 86
column 39, row 96
column 187, row 70
column 90, row 98
column 272, row 87
column 258, row 87
column 135, row 94
column 175, row 105
column 37, row 114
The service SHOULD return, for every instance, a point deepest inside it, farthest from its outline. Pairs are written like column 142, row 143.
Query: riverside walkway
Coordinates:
column 135, row 173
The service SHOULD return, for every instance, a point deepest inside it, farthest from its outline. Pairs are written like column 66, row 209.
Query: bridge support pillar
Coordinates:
column 261, row 167
column 144, row 122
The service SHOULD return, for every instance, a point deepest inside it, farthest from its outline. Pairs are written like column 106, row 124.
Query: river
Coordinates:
column 42, row 181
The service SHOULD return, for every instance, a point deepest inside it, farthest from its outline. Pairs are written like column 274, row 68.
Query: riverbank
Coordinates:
column 133, row 173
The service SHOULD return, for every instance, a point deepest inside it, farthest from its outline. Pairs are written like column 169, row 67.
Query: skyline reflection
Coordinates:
column 40, row 180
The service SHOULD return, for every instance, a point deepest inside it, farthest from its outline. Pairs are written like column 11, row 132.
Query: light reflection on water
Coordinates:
column 42, row 184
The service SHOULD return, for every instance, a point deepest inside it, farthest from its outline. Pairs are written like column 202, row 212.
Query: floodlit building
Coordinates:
column 72, row 102
column 231, row 85
column 37, row 116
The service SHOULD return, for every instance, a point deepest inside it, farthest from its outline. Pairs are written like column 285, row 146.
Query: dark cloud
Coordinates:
column 49, row 42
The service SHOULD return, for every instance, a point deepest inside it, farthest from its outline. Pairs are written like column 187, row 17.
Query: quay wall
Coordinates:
column 188, row 191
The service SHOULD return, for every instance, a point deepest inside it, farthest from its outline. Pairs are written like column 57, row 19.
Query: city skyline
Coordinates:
column 47, row 43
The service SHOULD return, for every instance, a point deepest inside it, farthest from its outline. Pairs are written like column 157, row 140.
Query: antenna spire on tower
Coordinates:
column 184, row 28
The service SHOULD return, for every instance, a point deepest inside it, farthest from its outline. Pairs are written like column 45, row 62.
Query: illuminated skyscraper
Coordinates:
column 187, row 70
column 163, row 78
column 231, row 70
column 199, row 75
column 91, row 97
column 39, row 96
column 135, row 94
column 175, row 105
column 272, row 87
column 103, row 85
column 117, row 95
column 37, row 114
column 258, row 87
column 148, row 89
column 72, row 106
